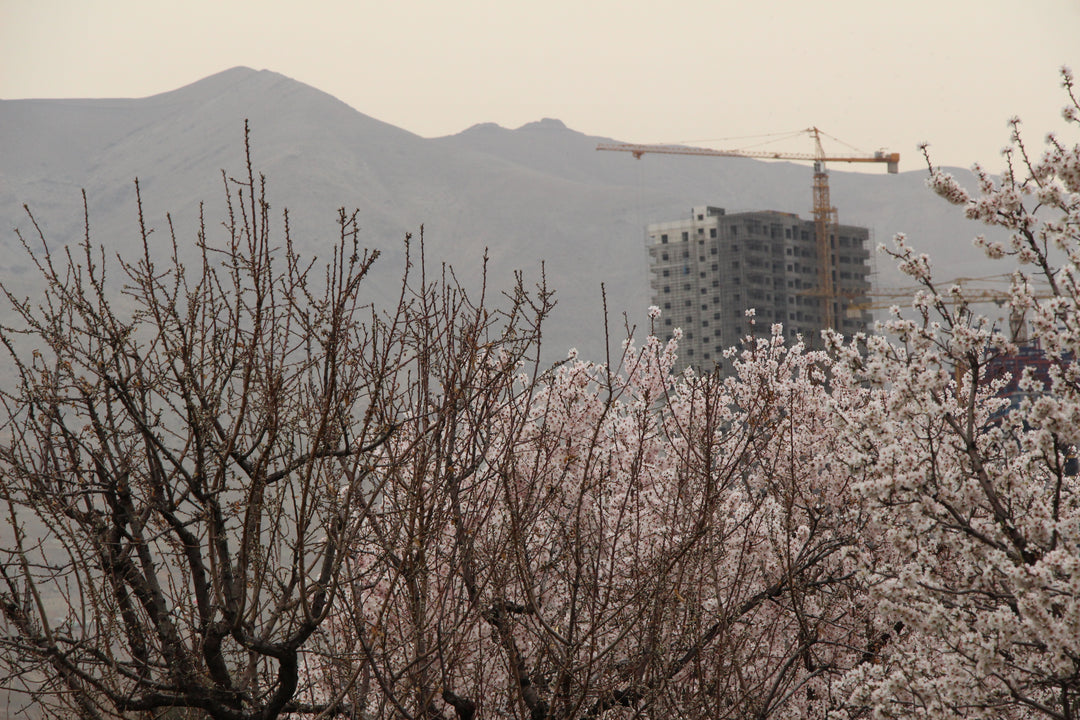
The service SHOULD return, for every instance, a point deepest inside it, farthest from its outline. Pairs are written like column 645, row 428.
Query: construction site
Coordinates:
column 708, row 269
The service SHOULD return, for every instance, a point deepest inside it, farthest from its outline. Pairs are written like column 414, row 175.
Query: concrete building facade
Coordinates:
column 706, row 270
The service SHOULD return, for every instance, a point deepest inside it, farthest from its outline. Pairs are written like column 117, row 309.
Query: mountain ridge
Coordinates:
column 539, row 192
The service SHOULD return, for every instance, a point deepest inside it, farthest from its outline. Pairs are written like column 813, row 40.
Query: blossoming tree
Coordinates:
column 975, row 499
column 607, row 539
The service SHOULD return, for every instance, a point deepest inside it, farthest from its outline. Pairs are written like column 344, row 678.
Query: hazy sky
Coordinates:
column 874, row 74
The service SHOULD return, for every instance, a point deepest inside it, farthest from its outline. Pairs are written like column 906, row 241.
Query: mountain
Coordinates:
column 536, row 193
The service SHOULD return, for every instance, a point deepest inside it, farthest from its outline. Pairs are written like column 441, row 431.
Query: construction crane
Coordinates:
column 824, row 213
column 970, row 294
column 973, row 290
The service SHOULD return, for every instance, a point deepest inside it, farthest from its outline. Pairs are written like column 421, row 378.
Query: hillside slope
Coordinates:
column 536, row 193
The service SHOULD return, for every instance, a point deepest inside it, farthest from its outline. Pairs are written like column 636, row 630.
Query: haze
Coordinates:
column 873, row 74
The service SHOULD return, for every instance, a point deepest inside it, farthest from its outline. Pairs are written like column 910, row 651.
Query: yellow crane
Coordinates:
column 971, row 293
column 824, row 213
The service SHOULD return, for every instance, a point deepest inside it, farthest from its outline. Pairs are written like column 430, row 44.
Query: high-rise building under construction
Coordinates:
column 708, row 269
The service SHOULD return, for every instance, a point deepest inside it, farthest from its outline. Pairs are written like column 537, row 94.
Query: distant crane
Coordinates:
column 824, row 213
column 970, row 294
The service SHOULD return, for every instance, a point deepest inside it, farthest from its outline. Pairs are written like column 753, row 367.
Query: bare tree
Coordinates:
column 171, row 468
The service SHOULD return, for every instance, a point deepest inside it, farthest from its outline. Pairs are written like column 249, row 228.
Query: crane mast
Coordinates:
column 825, row 220
column 825, row 215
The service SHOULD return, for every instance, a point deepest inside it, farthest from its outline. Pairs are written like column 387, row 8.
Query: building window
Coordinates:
column 712, row 232
column 700, row 216
column 685, row 235
column 667, row 289
column 663, row 256
column 667, row 321
column 663, row 238
column 667, row 306
column 734, row 264
column 665, row 272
